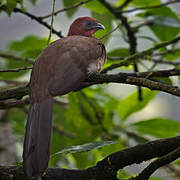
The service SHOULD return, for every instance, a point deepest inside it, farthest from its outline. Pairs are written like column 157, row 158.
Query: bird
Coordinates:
column 60, row 68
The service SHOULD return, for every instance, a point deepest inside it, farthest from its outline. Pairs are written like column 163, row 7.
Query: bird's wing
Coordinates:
column 72, row 61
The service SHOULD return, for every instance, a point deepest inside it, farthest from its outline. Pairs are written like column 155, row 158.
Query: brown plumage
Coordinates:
column 59, row 69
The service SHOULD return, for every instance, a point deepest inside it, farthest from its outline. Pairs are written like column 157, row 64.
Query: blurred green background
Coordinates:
column 110, row 112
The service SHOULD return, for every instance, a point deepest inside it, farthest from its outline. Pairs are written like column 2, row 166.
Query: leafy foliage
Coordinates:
column 96, row 7
column 9, row 5
column 157, row 127
column 131, row 104
column 145, row 3
column 94, row 119
column 30, row 47
column 163, row 17
column 33, row 1
column 69, row 3
column 84, row 147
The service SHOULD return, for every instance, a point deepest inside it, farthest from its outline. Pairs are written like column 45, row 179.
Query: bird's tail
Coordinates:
column 37, row 138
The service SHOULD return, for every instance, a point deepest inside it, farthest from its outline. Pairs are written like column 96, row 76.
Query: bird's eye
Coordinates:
column 88, row 23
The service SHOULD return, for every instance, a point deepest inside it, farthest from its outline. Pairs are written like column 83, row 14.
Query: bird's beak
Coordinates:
column 98, row 26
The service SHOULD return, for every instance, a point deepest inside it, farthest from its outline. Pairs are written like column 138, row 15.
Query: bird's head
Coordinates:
column 84, row 26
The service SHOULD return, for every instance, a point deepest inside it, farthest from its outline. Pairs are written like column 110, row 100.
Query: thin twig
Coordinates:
column 151, row 7
column 15, row 69
column 9, row 56
column 52, row 21
column 170, row 51
column 65, row 9
column 123, row 5
column 115, row 58
column 62, row 132
column 160, row 73
column 110, row 32
column 129, row 60
column 157, row 61
column 15, row 83
column 161, row 61
column 37, row 19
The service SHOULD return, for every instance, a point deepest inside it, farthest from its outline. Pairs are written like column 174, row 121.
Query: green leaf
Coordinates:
column 90, row 109
column 85, row 147
column 104, row 103
column 33, row 1
column 69, row 3
column 145, row 2
column 105, row 151
column 18, row 119
column 59, row 141
column 166, row 80
column 18, row 164
column 155, row 178
column 172, row 56
column 122, row 174
column 81, row 120
column 11, row 63
column 177, row 162
column 131, row 104
column 30, row 47
column 96, row 7
column 10, row 5
column 85, row 160
column 163, row 21
column 121, row 52
column 158, row 29
column 106, row 20
column 158, row 127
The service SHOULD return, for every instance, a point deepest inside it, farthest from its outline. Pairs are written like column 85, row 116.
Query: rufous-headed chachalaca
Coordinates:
column 60, row 68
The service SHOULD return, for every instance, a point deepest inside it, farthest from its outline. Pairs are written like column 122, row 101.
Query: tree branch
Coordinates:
column 169, row 51
column 139, row 79
column 160, row 73
column 131, row 38
column 37, row 19
column 123, row 5
column 65, row 9
column 161, row 61
column 109, row 165
column 128, row 60
column 166, row 159
column 13, row 103
column 16, row 93
column 130, row 33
